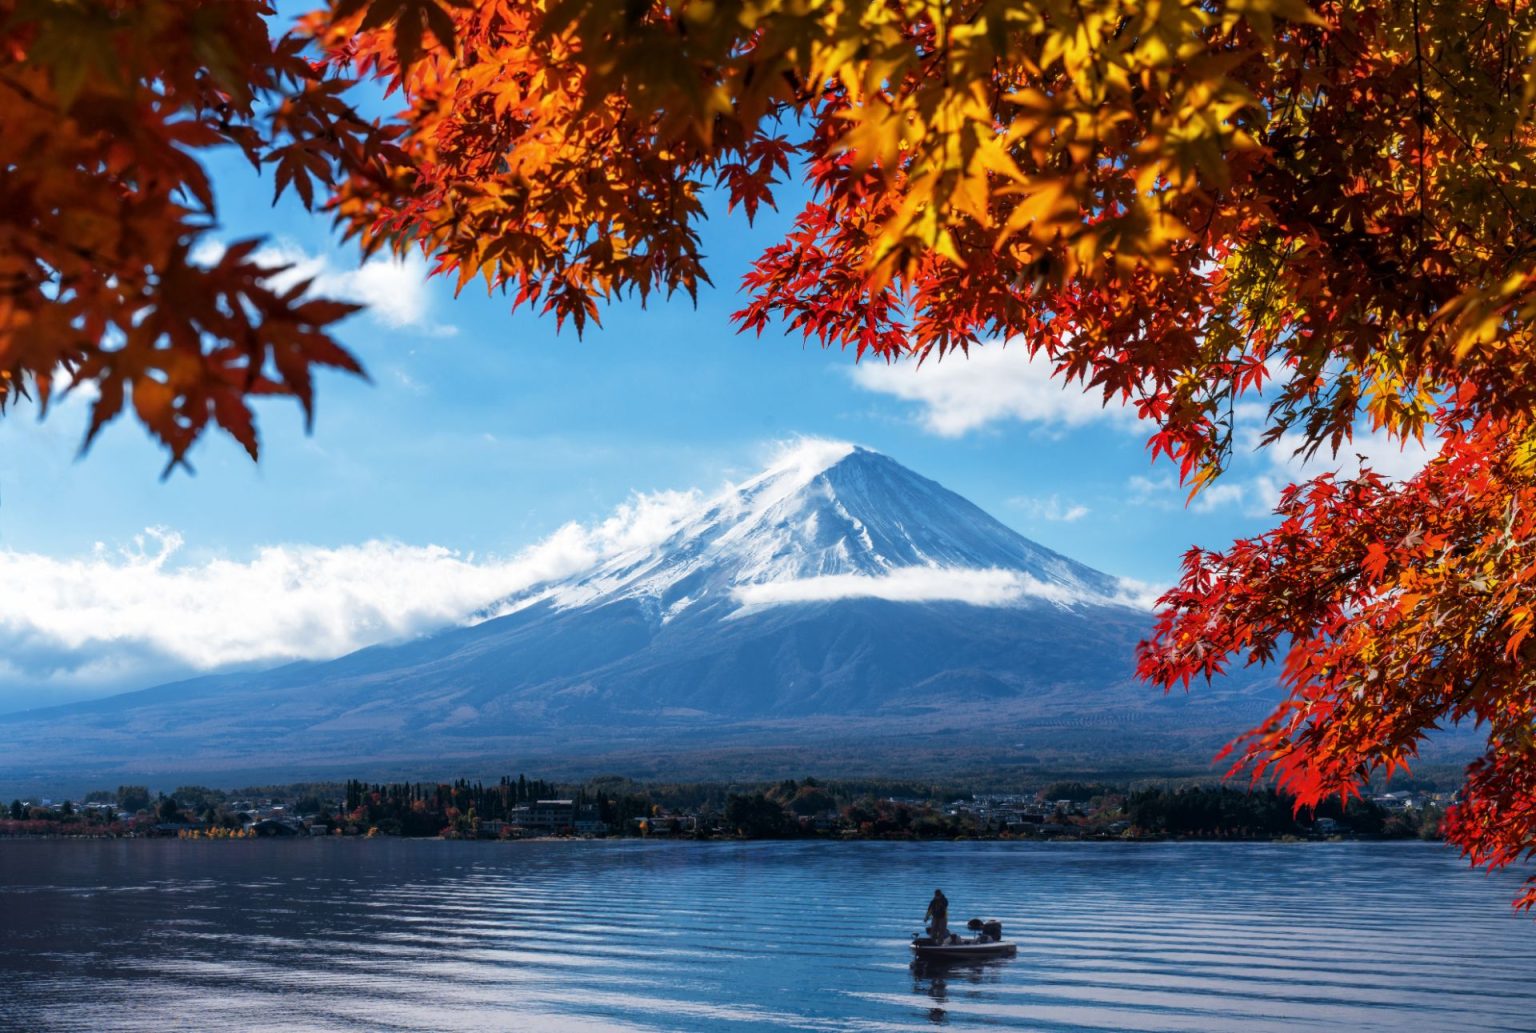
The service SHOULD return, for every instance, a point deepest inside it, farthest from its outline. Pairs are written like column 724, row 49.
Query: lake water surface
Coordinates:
column 401, row 935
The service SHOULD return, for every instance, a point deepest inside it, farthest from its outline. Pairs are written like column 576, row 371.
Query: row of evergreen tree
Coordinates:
column 496, row 801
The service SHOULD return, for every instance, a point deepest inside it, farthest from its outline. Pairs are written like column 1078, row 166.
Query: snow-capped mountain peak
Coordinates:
column 829, row 520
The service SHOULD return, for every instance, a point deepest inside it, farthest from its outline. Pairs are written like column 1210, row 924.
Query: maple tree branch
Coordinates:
column 1423, row 119
column 1494, row 180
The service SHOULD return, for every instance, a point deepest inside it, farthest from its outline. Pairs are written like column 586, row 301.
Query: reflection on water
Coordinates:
column 933, row 979
column 414, row 936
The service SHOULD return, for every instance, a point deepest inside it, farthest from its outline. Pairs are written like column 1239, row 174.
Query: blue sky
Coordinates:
column 484, row 433
column 484, row 430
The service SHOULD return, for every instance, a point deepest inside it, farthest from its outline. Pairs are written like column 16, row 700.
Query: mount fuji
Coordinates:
column 836, row 613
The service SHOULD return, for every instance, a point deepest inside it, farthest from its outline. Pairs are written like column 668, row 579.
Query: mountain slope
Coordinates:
column 835, row 598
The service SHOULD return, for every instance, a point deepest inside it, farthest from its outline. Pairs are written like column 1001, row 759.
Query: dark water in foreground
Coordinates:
column 402, row 935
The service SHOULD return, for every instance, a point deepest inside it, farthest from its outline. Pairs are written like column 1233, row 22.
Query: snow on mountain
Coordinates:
column 830, row 520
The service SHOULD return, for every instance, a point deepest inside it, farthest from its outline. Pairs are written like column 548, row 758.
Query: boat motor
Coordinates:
column 990, row 930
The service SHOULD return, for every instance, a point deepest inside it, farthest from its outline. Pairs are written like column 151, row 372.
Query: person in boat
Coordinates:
column 937, row 917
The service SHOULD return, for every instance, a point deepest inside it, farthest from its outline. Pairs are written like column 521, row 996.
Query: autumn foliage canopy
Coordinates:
column 1324, row 207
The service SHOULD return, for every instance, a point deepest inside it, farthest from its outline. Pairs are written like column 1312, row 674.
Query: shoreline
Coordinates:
column 1105, row 840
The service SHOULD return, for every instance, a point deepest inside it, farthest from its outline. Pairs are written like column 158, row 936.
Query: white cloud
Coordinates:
column 67, row 392
column 1261, row 494
column 115, row 617
column 959, row 393
column 1392, row 459
column 1050, row 508
column 1160, row 492
column 1140, row 595
column 978, row 587
column 393, row 289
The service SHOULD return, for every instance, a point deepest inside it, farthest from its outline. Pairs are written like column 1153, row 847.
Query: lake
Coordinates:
column 403, row 935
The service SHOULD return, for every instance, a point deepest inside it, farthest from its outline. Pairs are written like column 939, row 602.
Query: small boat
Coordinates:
column 987, row 943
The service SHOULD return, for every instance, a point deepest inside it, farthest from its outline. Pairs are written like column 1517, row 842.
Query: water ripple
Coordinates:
column 402, row 936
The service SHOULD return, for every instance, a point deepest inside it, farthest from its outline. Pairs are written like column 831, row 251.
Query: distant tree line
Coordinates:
column 789, row 808
column 1223, row 811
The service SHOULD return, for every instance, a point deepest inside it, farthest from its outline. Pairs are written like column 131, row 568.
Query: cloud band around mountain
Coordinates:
column 988, row 587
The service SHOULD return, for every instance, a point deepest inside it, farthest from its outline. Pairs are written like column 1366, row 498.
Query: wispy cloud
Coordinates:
column 995, row 384
column 804, row 456
column 1050, row 508
column 1254, row 495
